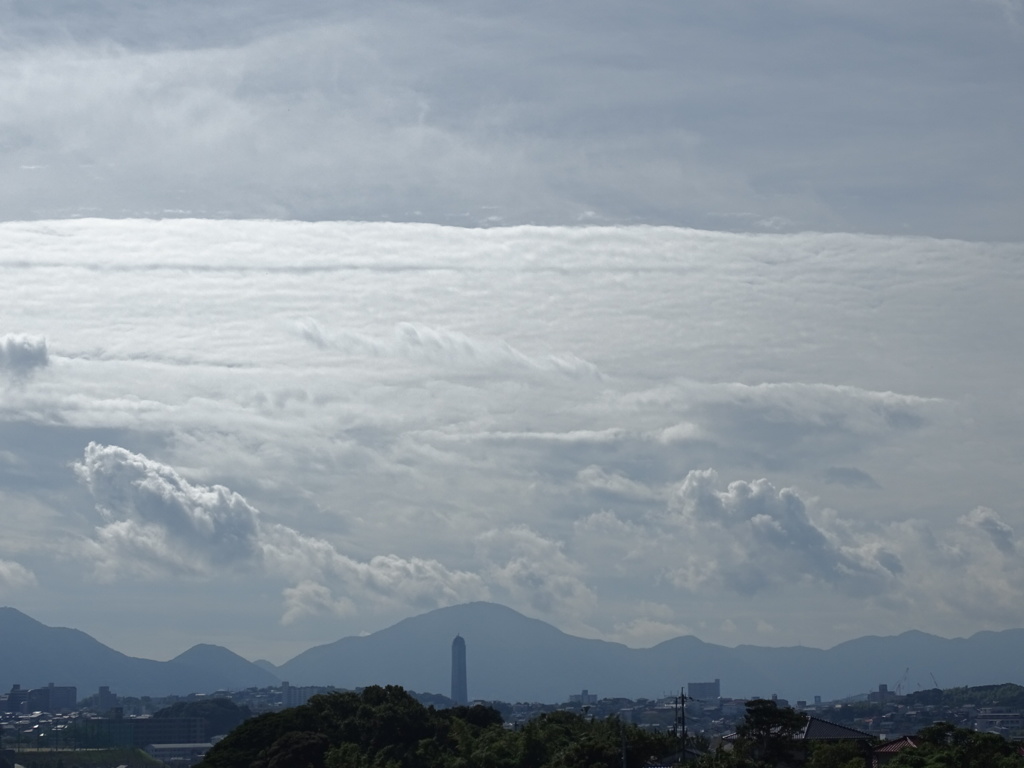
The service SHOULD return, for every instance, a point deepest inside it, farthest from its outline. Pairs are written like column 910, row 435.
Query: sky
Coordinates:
column 644, row 319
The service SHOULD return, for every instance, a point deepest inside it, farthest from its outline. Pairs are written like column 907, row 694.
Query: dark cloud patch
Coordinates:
column 674, row 113
column 999, row 533
column 851, row 477
column 780, row 427
column 21, row 355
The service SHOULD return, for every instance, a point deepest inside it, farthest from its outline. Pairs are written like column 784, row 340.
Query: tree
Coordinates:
column 839, row 754
column 221, row 715
column 767, row 731
column 385, row 727
column 943, row 745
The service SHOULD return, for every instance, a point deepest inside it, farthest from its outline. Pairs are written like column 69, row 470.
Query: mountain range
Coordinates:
column 511, row 657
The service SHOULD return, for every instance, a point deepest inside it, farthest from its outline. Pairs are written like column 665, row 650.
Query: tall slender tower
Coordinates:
column 459, row 691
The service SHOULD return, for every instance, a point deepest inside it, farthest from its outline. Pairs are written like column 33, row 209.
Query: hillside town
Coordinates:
column 179, row 730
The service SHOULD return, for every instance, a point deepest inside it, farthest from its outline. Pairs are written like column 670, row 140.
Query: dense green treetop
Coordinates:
column 387, row 728
column 221, row 715
column 768, row 730
column 943, row 745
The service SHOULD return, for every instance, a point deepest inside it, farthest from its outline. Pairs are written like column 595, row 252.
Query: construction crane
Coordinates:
column 902, row 682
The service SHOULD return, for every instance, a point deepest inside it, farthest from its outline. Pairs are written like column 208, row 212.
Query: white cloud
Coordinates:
column 156, row 519
column 445, row 348
column 416, row 440
column 753, row 536
column 615, row 484
column 157, row 523
column 14, row 576
column 308, row 598
column 970, row 569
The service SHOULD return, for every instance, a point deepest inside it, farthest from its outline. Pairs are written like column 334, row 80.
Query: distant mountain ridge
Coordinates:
column 511, row 657
column 34, row 654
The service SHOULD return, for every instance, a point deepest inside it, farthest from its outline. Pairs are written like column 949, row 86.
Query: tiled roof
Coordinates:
column 822, row 730
column 896, row 745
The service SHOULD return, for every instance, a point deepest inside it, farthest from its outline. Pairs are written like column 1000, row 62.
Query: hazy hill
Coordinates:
column 217, row 662
column 514, row 658
column 35, row 654
column 511, row 657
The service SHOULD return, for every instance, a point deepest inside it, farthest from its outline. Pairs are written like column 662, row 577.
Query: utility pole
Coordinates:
column 682, row 720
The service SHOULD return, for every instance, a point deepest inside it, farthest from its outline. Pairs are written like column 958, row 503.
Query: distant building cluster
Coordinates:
column 705, row 692
column 52, row 717
column 52, row 698
column 584, row 698
column 296, row 696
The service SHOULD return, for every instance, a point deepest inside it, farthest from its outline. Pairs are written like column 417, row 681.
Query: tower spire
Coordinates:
column 459, row 688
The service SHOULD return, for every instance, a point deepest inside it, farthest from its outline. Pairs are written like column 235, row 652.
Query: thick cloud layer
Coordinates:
column 293, row 431
column 724, row 114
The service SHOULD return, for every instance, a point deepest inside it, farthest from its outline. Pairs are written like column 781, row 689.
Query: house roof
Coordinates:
column 896, row 745
column 823, row 730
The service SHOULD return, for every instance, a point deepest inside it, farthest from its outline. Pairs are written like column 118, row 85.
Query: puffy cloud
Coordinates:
column 157, row 522
column 752, row 537
column 20, row 355
column 157, row 518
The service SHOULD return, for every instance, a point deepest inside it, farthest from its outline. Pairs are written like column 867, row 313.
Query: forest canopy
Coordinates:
column 387, row 727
